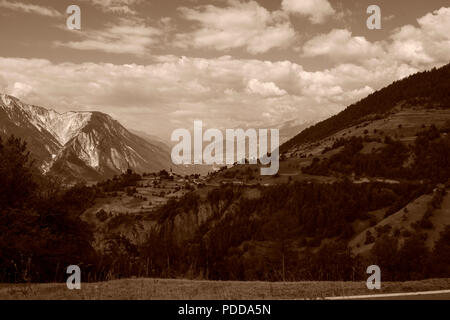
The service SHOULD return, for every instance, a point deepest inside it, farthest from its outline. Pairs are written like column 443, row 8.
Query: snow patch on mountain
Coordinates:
column 64, row 127
column 68, row 125
column 73, row 143
column 6, row 100
column 88, row 152
column 116, row 159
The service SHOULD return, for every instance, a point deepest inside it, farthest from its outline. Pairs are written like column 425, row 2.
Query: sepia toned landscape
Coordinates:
column 87, row 172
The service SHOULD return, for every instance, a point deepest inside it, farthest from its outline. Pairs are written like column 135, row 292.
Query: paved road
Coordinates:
column 429, row 295
column 442, row 296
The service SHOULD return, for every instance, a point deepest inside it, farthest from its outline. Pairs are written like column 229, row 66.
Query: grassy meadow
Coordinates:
column 159, row 289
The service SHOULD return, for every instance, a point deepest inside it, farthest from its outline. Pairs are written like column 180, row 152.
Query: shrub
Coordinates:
column 101, row 215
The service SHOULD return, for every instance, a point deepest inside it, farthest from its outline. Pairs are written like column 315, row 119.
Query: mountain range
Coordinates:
column 89, row 146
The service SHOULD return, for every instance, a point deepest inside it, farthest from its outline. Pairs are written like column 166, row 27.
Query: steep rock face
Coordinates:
column 87, row 145
column 66, row 126
column 184, row 226
column 16, row 118
column 103, row 147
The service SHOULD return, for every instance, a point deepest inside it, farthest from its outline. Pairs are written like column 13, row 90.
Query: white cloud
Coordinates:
column 266, row 89
column 126, row 37
column 21, row 90
column 117, row 6
column 340, row 45
column 223, row 92
column 409, row 46
column 30, row 8
column 316, row 10
column 226, row 92
column 416, row 48
column 237, row 25
column 424, row 45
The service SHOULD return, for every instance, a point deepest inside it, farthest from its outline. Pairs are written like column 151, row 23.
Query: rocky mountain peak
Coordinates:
column 88, row 145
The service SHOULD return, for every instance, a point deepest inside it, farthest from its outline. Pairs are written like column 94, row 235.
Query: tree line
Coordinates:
column 430, row 153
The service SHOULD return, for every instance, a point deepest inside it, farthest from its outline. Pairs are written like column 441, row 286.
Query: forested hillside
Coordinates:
column 293, row 232
column 430, row 156
column 426, row 89
column 40, row 229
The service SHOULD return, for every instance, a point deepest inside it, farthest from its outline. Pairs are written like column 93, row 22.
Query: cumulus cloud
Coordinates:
column 127, row 36
column 237, row 25
column 413, row 47
column 21, row 90
column 340, row 45
column 266, row 89
column 30, row 8
column 429, row 43
column 316, row 10
column 223, row 92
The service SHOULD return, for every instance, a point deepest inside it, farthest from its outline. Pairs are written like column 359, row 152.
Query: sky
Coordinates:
column 159, row 65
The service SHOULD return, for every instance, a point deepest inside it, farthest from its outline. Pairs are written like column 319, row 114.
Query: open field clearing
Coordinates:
column 158, row 289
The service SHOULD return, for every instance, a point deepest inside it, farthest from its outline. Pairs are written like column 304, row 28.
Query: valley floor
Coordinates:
column 159, row 289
